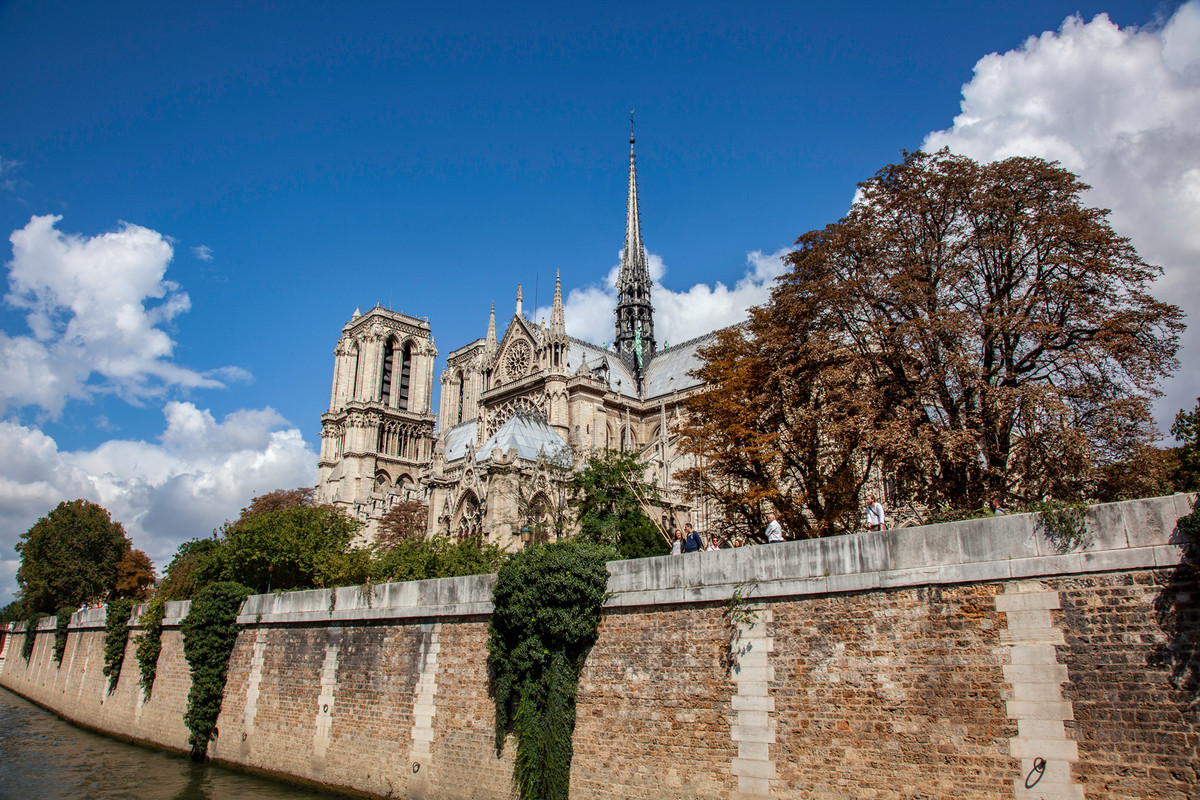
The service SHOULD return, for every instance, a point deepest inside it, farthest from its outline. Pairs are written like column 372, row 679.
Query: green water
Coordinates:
column 44, row 758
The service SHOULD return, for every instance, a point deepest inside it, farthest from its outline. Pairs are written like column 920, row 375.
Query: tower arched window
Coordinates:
column 461, row 396
column 405, row 371
column 385, row 382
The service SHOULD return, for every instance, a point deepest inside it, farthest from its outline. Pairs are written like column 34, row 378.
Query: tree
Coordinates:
column 277, row 501
column 404, row 520
column 975, row 329
column 782, row 426
column 69, row 557
column 135, row 576
column 611, row 501
column 290, row 548
column 196, row 563
column 1186, row 430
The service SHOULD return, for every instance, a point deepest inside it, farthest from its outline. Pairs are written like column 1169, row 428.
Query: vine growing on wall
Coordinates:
column 547, row 615
column 209, row 632
column 60, row 632
column 116, row 634
column 31, row 625
column 1065, row 524
column 149, row 643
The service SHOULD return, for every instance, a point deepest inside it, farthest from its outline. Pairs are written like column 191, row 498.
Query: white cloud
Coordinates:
column 1121, row 108
column 95, row 308
column 7, row 167
column 678, row 315
column 203, row 252
column 200, row 473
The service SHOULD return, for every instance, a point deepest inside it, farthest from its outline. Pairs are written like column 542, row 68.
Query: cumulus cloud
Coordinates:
column 678, row 315
column 203, row 252
column 1120, row 108
column 96, row 310
column 199, row 473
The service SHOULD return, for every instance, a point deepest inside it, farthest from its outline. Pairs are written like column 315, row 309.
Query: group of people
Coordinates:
column 689, row 540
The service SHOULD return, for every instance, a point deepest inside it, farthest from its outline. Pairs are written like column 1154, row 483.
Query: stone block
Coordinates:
column 753, row 768
column 1026, row 601
column 1019, row 709
column 1049, row 749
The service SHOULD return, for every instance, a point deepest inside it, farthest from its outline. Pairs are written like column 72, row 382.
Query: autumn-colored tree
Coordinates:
column 404, row 520
column 994, row 333
column 277, row 500
column 135, row 576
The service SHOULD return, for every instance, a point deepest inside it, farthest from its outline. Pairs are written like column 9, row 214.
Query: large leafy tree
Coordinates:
column 291, row 548
column 611, row 502
column 69, row 557
column 977, row 329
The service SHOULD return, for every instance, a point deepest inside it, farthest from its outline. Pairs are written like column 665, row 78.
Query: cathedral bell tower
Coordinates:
column 635, row 316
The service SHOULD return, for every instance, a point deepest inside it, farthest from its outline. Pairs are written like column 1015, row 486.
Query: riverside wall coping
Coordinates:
column 1129, row 535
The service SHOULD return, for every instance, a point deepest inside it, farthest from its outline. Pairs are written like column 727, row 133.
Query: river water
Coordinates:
column 44, row 758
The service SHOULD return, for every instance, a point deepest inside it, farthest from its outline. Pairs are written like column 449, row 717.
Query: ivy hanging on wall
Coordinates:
column 149, row 642
column 60, row 632
column 31, row 626
column 116, row 634
column 209, row 632
column 546, row 618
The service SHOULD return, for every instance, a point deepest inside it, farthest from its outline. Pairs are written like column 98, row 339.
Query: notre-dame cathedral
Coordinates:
column 515, row 410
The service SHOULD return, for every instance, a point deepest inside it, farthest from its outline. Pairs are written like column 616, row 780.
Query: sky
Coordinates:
column 195, row 197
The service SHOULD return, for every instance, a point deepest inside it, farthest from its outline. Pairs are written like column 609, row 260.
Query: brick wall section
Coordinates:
column 79, row 692
column 892, row 695
column 1132, row 655
column 654, row 710
column 465, row 761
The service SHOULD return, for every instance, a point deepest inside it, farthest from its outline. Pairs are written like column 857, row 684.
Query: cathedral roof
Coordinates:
column 668, row 370
column 530, row 435
column 459, row 440
column 620, row 379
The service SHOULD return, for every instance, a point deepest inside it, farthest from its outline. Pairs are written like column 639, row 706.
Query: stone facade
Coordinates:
column 377, row 438
column 517, row 412
column 970, row 659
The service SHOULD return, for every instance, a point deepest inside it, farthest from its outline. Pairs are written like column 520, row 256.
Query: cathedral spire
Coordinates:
column 491, row 334
column 558, row 322
column 635, row 315
column 518, row 300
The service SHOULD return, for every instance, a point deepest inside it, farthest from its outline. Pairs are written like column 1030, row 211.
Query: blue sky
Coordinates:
column 234, row 179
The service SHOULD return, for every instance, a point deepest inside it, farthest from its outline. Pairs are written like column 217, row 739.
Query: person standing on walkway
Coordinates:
column 691, row 539
column 774, row 529
column 875, row 517
column 677, row 545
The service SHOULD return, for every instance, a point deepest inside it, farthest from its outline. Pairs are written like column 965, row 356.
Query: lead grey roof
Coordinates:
column 620, row 379
column 529, row 435
column 459, row 440
column 669, row 369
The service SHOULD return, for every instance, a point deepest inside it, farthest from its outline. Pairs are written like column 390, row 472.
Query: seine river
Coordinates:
column 44, row 758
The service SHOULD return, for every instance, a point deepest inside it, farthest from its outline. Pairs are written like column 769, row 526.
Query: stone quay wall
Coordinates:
column 964, row 660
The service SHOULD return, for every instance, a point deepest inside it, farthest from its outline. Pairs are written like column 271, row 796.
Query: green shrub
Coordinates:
column 60, row 632
column 209, row 632
column 116, row 634
column 547, row 615
column 149, row 642
column 417, row 558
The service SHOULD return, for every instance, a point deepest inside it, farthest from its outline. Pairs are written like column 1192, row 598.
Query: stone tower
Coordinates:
column 378, row 433
column 635, row 315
